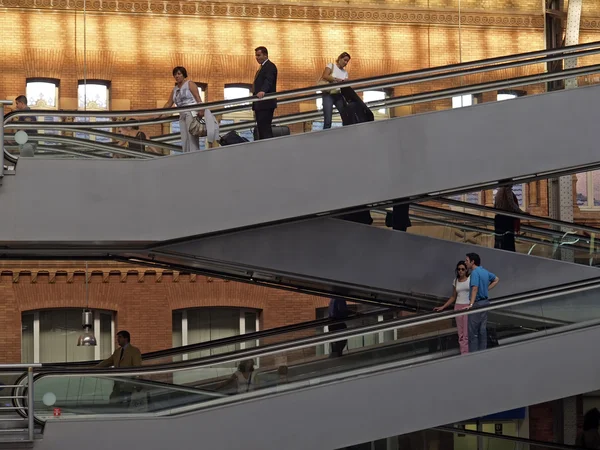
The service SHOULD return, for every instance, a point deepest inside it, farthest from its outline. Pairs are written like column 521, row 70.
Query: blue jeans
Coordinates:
column 328, row 101
column 478, row 328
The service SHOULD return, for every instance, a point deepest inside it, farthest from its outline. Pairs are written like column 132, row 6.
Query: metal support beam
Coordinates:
column 560, row 190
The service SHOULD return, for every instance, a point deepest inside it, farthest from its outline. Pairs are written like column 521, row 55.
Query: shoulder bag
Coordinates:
column 198, row 127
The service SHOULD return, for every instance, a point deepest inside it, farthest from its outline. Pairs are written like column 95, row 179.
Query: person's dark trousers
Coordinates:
column 399, row 218
column 504, row 229
column 264, row 120
column 337, row 348
column 478, row 328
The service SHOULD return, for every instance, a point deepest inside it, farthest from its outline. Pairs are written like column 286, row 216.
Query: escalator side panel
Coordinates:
column 281, row 179
column 337, row 251
column 363, row 408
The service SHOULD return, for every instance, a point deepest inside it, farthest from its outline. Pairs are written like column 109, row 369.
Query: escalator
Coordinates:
column 357, row 260
column 106, row 206
column 328, row 402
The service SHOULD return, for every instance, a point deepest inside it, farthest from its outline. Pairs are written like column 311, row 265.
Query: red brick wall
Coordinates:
column 541, row 422
column 143, row 302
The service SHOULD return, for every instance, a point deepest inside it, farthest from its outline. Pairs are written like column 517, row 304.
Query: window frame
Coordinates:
column 241, row 324
column 589, row 183
column 56, row 83
column 96, row 329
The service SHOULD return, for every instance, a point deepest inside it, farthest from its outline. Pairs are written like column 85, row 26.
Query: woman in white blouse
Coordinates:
column 334, row 73
column 460, row 298
column 185, row 93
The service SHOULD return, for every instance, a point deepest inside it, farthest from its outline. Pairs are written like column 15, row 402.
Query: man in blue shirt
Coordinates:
column 481, row 282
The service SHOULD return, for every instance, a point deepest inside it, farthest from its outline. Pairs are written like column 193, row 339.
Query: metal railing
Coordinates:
column 523, row 216
column 313, row 92
column 22, row 400
column 2, row 103
column 272, row 349
column 305, row 342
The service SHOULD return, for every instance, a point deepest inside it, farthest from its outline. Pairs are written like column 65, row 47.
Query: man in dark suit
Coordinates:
column 265, row 82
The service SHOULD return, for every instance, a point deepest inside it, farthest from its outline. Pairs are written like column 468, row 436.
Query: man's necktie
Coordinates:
column 122, row 351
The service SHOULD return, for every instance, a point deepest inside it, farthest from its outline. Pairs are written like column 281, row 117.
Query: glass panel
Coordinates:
column 582, row 189
column 519, row 191
column 177, row 336
column 478, row 229
column 250, row 325
column 59, row 330
column 243, row 133
column 27, row 338
column 416, row 343
column 473, row 197
column 106, row 338
column 102, row 138
column 79, row 134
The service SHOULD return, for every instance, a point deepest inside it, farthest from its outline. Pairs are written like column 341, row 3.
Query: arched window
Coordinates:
column 43, row 93
column 93, row 95
column 195, row 325
column 50, row 335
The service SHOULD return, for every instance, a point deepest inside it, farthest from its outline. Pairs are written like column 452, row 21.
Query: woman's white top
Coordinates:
column 183, row 96
column 244, row 384
column 336, row 72
column 462, row 291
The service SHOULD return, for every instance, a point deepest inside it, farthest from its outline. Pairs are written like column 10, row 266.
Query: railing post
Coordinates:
column 30, row 423
column 2, row 144
column 2, row 104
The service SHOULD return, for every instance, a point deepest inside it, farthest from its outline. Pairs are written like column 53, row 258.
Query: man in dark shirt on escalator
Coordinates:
column 338, row 309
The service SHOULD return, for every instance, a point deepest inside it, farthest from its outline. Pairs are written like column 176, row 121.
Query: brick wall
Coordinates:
column 137, row 52
column 143, row 301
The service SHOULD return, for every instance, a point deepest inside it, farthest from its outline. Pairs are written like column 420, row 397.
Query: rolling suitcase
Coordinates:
column 355, row 111
column 278, row 130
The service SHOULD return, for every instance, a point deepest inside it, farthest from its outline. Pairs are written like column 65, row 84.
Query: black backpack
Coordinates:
column 232, row 138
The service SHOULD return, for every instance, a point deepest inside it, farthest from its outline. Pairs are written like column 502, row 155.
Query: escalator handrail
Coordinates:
column 529, row 217
column 565, row 52
column 302, row 117
column 216, row 343
column 232, row 357
column 491, row 233
column 388, row 103
column 487, row 220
